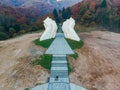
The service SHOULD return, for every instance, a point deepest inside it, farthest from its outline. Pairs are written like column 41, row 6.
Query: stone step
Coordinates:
column 59, row 58
column 59, row 61
column 60, row 74
column 59, row 55
column 59, row 68
column 59, row 65
column 63, row 80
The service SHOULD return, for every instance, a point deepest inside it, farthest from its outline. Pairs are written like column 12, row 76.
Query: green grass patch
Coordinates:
column 0, row 46
column 45, row 43
column 44, row 61
column 75, row 56
column 70, row 68
column 26, row 89
column 75, row 44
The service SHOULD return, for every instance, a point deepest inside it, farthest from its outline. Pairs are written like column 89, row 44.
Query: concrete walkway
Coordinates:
column 59, row 46
column 59, row 74
column 59, row 79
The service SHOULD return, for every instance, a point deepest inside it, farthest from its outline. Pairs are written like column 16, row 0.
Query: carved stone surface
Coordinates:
column 68, row 29
column 50, row 29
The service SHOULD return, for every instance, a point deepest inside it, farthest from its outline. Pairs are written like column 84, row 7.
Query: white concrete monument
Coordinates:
column 50, row 29
column 68, row 29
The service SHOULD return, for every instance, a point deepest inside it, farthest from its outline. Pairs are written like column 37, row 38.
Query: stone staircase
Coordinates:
column 59, row 79
column 59, row 74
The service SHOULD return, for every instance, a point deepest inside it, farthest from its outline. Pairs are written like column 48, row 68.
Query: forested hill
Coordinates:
column 103, row 13
column 14, row 21
column 34, row 3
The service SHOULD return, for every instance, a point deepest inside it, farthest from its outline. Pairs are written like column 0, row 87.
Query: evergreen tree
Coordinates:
column 63, row 13
column 56, row 17
column 104, row 4
column 3, row 36
column 69, row 13
column 66, row 13
column 60, row 11
column 12, row 31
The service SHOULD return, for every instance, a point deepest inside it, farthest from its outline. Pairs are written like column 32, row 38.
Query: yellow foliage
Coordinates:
column 87, row 14
column 22, row 31
column 82, row 19
column 14, row 34
column 93, row 23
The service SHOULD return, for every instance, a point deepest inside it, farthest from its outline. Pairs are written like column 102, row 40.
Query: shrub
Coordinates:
column 3, row 36
column 22, row 31
column 92, row 23
column 75, row 56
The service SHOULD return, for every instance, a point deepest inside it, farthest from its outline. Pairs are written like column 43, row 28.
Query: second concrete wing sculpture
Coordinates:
column 68, row 29
column 50, row 29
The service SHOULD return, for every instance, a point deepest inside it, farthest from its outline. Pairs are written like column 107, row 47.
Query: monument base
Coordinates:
column 45, row 87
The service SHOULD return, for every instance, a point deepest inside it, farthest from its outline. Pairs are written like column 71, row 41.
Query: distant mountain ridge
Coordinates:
column 92, row 3
column 29, row 3
column 12, row 2
column 36, row 8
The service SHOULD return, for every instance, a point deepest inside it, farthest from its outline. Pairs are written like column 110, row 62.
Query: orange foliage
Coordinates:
column 92, row 5
column 39, row 22
column 21, row 20
column 75, row 9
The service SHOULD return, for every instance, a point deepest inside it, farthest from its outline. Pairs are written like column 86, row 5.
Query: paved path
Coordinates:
column 59, row 79
column 59, row 46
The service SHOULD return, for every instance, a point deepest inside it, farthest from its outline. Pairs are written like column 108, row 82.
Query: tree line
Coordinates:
column 99, row 16
column 11, row 26
column 62, row 15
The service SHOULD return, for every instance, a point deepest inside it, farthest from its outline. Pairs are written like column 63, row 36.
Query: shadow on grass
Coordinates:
column 45, row 43
column 75, row 44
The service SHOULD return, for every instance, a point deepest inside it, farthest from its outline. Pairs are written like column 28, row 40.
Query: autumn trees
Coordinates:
column 99, row 15
column 85, row 16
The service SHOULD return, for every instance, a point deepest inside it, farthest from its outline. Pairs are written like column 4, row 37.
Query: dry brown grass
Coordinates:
column 98, row 64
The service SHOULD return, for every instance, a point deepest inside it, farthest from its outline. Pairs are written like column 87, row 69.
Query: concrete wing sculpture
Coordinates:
column 68, row 29
column 50, row 29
